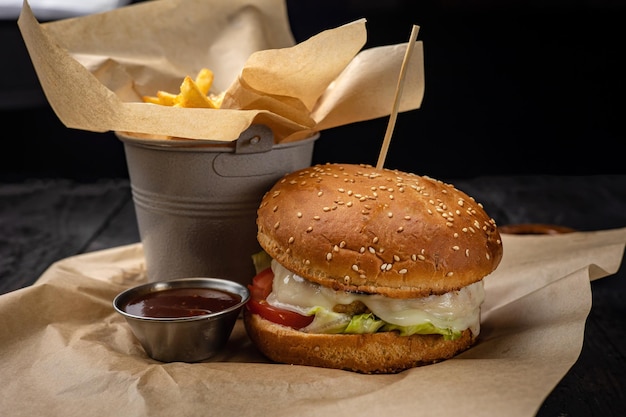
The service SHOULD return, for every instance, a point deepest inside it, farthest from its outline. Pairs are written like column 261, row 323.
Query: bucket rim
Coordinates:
column 200, row 145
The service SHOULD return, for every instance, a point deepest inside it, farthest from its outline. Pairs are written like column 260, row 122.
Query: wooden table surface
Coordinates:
column 46, row 220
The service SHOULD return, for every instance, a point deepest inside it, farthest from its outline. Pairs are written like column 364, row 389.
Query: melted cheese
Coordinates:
column 456, row 310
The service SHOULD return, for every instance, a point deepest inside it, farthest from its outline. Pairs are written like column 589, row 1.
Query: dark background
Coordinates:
column 514, row 88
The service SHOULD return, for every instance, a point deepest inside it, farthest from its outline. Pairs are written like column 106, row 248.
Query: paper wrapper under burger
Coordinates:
column 95, row 69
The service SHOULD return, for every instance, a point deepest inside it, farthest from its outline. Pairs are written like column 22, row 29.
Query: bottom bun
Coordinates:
column 378, row 353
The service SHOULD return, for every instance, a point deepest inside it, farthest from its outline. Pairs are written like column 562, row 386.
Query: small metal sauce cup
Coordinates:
column 183, row 339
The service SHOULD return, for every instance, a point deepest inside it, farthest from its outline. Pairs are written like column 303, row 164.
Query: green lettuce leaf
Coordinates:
column 327, row 321
column 423, row 328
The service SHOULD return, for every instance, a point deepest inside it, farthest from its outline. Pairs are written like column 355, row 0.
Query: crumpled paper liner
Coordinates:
column 65, row 351
column 95, row 69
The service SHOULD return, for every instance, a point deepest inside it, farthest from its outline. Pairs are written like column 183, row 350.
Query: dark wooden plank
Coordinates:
column 121, row 229
column 43, row 221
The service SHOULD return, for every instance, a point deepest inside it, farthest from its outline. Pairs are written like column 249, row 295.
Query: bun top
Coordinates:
column 362, row 229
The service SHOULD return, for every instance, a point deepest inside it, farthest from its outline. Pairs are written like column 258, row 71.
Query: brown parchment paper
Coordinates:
column 95, row 69
column 64, row 351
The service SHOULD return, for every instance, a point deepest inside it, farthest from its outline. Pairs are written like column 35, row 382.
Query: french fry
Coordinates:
column 204, row 80
column 191, row 96
column 217, row 99
column 166, row 99
column 193, row 93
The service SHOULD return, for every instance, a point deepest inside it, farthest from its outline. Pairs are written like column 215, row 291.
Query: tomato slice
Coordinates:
column 260, row 288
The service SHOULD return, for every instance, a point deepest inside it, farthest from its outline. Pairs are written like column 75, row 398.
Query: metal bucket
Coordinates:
column 196, row 203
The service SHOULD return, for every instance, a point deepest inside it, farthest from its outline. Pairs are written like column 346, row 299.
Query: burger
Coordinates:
column 372, row 270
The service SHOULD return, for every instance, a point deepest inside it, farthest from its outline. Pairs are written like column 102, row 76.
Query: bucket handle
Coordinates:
column 255, row 139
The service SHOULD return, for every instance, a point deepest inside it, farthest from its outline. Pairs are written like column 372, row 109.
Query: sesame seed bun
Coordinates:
column 362, row 229
column 377, row 353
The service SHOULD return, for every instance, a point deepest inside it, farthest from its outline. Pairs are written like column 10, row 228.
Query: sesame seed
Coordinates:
column 291, row 239
column 455, row 248
column 400, row 229
column 467, row 252
column 414, row 257
column 329, row 256
column 309, row 229
column 299, row 215
column 349, row 204
column 276, row 225
column 319, row 193
column 390, row 214
column 407, row 217
column 335, row 248
column 396, row 258
column 383, row 267
column 355, row 268
column 274, row 209
column 342, row 244
column 449, row 274
column 402, row 271
column 362, row 249
column 421, row 257
column 371, row 249
column 375, row 240
column 326, row 209
column 316, row 217
column 388, row 267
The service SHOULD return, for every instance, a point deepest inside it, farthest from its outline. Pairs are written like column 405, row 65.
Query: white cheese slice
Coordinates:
column 456, row 310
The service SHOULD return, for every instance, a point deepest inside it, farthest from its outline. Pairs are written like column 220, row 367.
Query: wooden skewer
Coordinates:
column 394, row 111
